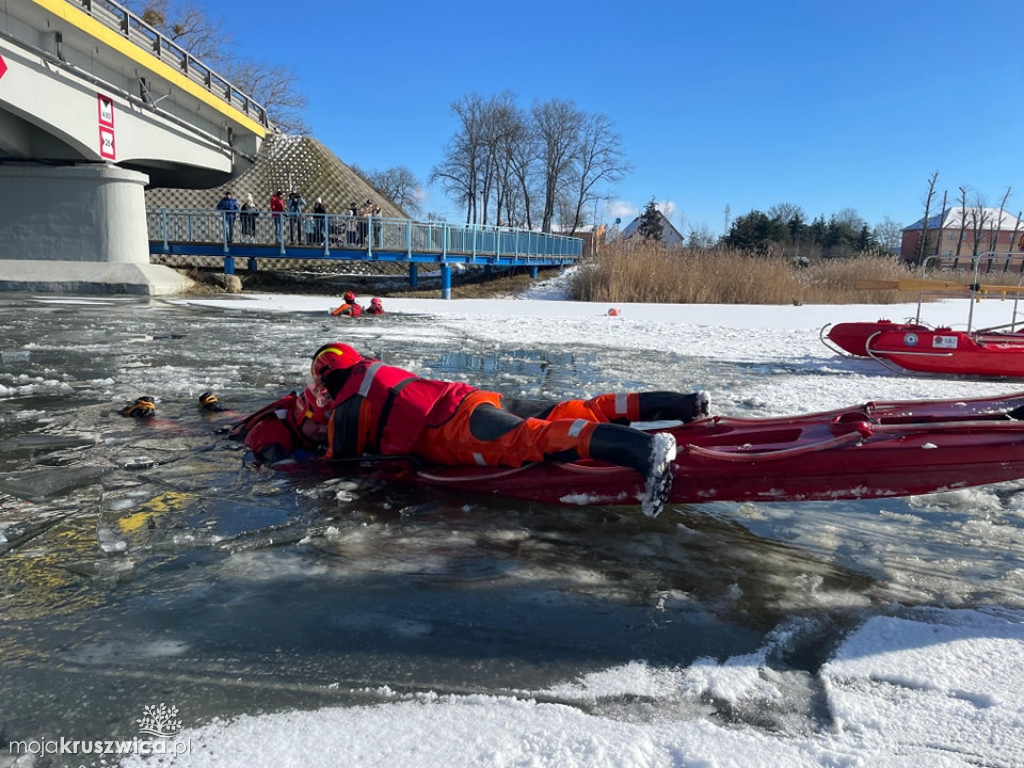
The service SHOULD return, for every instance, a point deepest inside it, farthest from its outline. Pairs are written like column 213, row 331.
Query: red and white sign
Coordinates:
column 3, row 66
column 107, row 143
column 106, row 110
column 106, row 120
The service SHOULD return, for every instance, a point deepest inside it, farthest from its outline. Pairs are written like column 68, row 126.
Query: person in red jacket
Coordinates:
column 358, row 406
column 349, row 307
column 376, row 307
column 277, row 214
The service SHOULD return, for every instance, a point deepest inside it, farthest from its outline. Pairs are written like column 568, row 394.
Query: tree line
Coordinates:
column 784, row 229
column 979, row 225
column 528, row 167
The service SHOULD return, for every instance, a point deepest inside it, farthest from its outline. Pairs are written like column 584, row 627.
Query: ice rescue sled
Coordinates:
column 878, row 449
column 917, row 348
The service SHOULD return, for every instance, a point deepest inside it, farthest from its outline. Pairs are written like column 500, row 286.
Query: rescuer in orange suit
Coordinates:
column 358, row 406
column 349, row 307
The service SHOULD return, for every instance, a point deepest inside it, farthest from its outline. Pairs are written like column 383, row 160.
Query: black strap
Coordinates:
column 385, row 410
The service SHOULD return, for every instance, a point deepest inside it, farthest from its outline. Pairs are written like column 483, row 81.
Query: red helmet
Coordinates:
column 349, row 296
column 309, row 406
column 333, row 356
column 375, row 301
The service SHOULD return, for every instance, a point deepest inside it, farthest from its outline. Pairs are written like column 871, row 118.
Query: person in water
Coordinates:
column 376, row 307
column 349, row 307
column 357, row 406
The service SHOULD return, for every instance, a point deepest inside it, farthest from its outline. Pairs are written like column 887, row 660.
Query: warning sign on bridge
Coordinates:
column 106, row 124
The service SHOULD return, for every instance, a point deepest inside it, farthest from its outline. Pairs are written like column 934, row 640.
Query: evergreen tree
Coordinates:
column 650, row 223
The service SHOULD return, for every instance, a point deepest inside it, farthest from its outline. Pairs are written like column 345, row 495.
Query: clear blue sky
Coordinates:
column 827, row 105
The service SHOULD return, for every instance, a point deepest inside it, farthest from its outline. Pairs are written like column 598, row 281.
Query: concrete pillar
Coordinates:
column 78, row 229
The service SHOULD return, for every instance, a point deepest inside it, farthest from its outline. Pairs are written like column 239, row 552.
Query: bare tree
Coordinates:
column 523, row 152
column 558, row 125
column 979, row 221
column 785, row 212
column 922, row 244
column 850, row 218
column 464, row 157
column 599, row 160
column 1016, row 246
column 397, row 184
column 963, row 221
column 502, row 160
column 275, row 87
column 993, row 241
column 889, row 235
column 189, row 25
column 700, row 237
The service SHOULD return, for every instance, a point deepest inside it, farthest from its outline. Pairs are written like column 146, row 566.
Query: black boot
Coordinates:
column 649, row 454
column 674, row 406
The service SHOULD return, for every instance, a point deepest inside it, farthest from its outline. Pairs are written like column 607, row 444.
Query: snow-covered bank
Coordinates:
column 941, row 688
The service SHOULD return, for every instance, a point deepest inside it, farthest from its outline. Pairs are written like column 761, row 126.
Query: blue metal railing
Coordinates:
column 339, row 236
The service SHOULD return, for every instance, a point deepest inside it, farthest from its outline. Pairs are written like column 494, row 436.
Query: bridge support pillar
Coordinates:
column 414, row 275
column 446, row 281
column 78, row 229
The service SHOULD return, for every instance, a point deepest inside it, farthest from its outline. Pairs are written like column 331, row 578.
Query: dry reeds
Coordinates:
column 651, row 274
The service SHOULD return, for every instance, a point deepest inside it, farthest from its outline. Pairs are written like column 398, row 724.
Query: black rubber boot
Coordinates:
column 622, row 446
column 649, row 454
column 673, row 406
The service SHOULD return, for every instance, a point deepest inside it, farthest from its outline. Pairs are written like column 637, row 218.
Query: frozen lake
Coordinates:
column 148, row 562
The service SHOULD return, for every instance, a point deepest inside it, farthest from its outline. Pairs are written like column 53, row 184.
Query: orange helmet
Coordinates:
column 349, row 296
column 333, row 356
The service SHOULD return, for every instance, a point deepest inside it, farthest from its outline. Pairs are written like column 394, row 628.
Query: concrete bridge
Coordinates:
column 94, row 106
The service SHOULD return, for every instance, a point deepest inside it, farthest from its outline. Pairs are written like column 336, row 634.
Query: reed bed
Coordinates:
column 652, row 274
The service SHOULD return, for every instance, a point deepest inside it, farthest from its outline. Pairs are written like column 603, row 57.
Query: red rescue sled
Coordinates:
column 916, row 348
column 949, row 352
column 851, row 338
column 879, row 449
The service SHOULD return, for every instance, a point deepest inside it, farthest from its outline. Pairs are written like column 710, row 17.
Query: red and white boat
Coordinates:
column 918, row 348
column 850, row 339
column 949, row 352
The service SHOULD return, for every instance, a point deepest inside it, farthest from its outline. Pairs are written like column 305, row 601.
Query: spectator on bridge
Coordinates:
column 295, row 204
column 229, row 209
column 353, row 226
column 349, row 308
column 365, row 212
column 276, row 212
column 377, row 226
column 249, row 214
column 319, row 220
